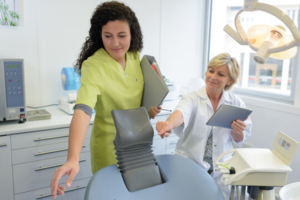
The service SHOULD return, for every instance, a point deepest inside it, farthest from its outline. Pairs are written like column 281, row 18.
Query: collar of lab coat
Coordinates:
column 225, row 98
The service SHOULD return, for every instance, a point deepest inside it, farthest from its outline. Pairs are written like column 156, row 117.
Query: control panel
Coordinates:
column 12, row 103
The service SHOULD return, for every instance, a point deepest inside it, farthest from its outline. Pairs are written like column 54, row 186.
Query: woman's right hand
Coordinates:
column 164, row 128
column 69, row 168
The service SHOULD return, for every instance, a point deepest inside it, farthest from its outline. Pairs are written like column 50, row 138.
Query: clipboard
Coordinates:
column 225, row 114
column 155, row 88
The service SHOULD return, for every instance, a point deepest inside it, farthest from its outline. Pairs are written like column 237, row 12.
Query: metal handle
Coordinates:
column 41, row 168
column 54, row 151
column 48, row 195
column 173, row 142
column 49, row 138
column 3, row 145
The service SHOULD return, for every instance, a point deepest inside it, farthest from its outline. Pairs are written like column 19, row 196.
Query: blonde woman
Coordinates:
column 197, row 141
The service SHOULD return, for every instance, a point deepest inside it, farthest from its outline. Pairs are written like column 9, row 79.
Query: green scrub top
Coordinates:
column 105, row 86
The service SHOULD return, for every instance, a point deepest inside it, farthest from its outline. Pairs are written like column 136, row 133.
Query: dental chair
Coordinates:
column 142, row 176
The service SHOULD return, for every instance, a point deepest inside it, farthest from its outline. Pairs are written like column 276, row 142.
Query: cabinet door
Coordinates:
column 6, row 184
column 158, row 147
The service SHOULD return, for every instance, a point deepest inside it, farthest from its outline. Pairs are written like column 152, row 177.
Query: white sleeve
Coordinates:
column 186, row 106
column 248, row 122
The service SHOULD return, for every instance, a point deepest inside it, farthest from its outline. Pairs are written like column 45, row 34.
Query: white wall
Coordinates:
column 53, row 32
column 182, row 25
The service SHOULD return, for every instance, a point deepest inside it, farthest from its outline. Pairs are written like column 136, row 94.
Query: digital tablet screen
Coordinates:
column 225, row 114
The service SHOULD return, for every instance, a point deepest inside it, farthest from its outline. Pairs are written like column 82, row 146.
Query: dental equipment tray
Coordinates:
column 256, row 167
column 259, row 167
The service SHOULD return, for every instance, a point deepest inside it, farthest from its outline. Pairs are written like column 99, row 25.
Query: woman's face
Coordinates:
column 116, row 39
column 217, row 78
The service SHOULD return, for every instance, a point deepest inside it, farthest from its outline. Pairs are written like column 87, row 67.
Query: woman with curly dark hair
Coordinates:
column 111, row 79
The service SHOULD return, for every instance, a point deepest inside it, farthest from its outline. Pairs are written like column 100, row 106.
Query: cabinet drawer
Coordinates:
column 6, row 180
column 44, row 152
column 171, row 141
column 36, row 175
column 38, row 138
column 75, row 192
column 170, row 151
column 158, row 147
column 158, row 118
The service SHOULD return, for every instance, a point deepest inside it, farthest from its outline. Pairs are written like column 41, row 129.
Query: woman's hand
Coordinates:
column 69, row 168
column 164, row 128
column 154, row 111
column 238, row 127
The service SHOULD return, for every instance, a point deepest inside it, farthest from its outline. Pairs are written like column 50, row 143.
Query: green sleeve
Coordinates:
column 89, row 88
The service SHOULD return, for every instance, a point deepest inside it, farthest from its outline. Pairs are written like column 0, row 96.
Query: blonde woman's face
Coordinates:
column 217, row 78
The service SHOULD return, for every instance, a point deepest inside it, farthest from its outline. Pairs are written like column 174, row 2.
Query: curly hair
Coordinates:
column 105, row 12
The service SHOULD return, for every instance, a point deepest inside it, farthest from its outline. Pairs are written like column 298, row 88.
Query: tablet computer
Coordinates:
column 225, row 114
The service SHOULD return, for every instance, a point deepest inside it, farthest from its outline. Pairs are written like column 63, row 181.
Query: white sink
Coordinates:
column 290, row 192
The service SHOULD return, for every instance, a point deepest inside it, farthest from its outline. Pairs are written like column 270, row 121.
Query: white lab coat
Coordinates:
column 196, row 109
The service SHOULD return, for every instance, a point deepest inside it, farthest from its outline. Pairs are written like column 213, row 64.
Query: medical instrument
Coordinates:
column 40, row 114
column 12, row 90
column 167, row 110
column 261, row 169
column 70, row 84
column 267, row 41
column 143, row 176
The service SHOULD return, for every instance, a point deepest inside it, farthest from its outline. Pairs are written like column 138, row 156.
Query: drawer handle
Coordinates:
column 48, row 195
column 49, row 138
column 43, row 153
column 41, row 168
column 173, row 142
column 3, row 145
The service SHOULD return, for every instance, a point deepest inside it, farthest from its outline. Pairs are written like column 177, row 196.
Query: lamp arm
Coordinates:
column 230, row 31
column 278, row 49
column 239, row 27
column 282, row 16
column 284, row 47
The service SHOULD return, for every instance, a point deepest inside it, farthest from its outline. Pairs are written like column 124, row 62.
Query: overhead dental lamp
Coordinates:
column 267, row 41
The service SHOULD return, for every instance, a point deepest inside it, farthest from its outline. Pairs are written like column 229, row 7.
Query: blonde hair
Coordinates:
column 232, row 64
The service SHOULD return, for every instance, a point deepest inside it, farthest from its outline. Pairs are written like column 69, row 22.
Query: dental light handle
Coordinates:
column 217, row 161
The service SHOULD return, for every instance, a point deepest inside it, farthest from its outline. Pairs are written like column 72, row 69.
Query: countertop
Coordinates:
column 59, row 119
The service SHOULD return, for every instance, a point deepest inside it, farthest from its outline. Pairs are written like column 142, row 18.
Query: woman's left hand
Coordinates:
column 154, row 111
column 238, row 127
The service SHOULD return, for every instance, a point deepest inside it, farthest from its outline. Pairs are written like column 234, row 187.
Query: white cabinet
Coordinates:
column 36, row 156
column 6, row 182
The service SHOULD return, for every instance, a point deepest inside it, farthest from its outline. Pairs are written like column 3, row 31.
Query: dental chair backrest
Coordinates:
column 284, row 148
column 133, row 145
